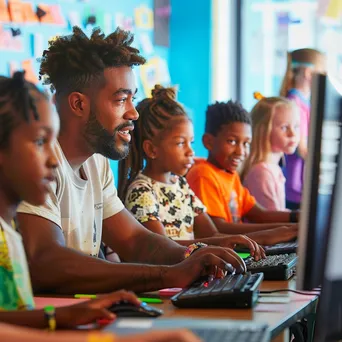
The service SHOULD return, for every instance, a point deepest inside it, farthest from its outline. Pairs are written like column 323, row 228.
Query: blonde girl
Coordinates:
column 275, row 127
column 302, row 64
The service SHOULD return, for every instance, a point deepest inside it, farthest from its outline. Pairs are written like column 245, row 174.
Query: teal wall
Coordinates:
column 190, row 60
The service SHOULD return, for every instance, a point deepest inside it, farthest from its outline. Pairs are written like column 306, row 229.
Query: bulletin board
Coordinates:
column 27, row 26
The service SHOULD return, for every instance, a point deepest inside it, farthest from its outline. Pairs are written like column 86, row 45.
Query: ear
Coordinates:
column 307, row 72
column 208, row 141
column 79, row 104
column 150, row 150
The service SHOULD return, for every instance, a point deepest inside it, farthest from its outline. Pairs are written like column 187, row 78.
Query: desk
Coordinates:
column 279, row 317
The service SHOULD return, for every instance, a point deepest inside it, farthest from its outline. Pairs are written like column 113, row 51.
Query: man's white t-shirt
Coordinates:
column 79, row 206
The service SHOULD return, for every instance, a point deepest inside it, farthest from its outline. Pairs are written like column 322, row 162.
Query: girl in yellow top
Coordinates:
column 28, row 131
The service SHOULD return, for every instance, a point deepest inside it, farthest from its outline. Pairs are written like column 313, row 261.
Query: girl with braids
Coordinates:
column 158, row 195
column 296, row 86
column 28, row 131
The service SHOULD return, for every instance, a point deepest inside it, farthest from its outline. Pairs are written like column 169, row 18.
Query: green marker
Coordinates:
column 86, row 296
column 151, row 300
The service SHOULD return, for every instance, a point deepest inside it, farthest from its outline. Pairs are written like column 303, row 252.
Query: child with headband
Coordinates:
column 296, row 86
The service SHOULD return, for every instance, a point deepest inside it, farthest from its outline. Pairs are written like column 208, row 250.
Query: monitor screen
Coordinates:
column 319, row 180
column 329, row 314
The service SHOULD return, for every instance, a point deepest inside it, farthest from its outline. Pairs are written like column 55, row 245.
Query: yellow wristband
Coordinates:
column 98, row 337
column 50, row 315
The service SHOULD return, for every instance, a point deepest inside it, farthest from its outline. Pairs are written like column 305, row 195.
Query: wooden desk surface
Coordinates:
column 277, row 316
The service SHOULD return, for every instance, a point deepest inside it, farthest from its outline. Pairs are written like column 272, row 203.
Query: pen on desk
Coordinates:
column 85, row 296
column 151, row 300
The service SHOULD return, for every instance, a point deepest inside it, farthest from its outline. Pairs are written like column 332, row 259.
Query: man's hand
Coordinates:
column 205, row 261
column 90, row 311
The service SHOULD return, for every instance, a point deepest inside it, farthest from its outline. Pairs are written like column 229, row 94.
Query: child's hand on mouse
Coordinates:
column 257, row 252
column 92, row 310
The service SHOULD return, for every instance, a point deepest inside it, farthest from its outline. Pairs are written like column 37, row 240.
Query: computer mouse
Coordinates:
column 126, row 309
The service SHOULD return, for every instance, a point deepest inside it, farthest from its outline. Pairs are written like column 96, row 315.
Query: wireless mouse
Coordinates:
column 126, row 309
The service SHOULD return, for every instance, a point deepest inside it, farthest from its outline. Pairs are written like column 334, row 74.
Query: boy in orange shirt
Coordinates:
column 216, row 182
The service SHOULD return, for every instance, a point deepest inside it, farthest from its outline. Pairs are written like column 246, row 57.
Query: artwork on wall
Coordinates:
column 155, row 71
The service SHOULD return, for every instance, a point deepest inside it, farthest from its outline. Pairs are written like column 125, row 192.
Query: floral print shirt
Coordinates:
column 174, row 205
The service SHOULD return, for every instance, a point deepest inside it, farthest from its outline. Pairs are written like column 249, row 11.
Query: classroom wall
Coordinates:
column 190, row 60
column 22, row 51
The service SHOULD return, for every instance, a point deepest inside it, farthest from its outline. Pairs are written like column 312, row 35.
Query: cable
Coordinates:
column 312, row 293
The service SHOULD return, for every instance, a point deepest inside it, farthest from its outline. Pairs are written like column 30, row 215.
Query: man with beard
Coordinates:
column 94, row 90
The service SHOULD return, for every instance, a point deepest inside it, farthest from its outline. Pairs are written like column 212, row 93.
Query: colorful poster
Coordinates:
column 124, row 22
column 28, row 13
column 4, row 15
column 30, row 74
column 15, row 11
column 154, row 71
column 10, row 43
column 143, row 17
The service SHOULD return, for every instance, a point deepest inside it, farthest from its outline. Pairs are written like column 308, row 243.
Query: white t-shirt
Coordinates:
column 79, row 206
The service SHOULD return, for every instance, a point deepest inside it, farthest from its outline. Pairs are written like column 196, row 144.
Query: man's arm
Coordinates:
column 264, row 234
column 134, row 243
column 58, row 269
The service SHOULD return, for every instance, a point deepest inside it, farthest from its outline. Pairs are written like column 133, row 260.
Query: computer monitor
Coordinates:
column 319, row 181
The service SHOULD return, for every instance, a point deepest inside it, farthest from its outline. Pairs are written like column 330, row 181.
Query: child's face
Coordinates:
column 229, row 148
column 28, row 163
column 285, row 130
column 174, row 153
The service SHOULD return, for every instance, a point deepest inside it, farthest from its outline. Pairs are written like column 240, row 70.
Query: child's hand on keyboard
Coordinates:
column 257, row 252
column 276, row 235
column 215, row 261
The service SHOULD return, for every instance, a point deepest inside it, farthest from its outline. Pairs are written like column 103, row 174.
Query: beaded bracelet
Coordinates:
column 192, row 248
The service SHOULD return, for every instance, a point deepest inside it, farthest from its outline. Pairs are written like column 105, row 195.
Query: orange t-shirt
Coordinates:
column 220, row 191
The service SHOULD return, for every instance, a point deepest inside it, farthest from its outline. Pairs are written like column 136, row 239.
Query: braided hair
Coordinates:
column 17, row 103
column 76, row 62
column 155, row 114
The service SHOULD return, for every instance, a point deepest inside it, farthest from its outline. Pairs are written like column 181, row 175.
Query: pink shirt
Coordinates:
column 266, row 183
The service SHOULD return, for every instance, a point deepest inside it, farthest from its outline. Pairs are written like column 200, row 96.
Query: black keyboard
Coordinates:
column 233, row 291
column 282, row 248
column 238, row 334
column 274, row 267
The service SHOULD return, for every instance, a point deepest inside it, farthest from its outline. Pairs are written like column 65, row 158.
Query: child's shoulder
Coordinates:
column 141, row 181
column 201, row 167
column 265, row 170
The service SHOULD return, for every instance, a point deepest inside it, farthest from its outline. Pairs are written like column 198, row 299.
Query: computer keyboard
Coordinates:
column 208, row 330
column 238, row 334
column 282, row 248
column 274, row 267
column 233, row 291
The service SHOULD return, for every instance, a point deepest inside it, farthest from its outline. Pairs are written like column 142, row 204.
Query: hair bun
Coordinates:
column 19, row 78
column 159, row 92
column 258, row 96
